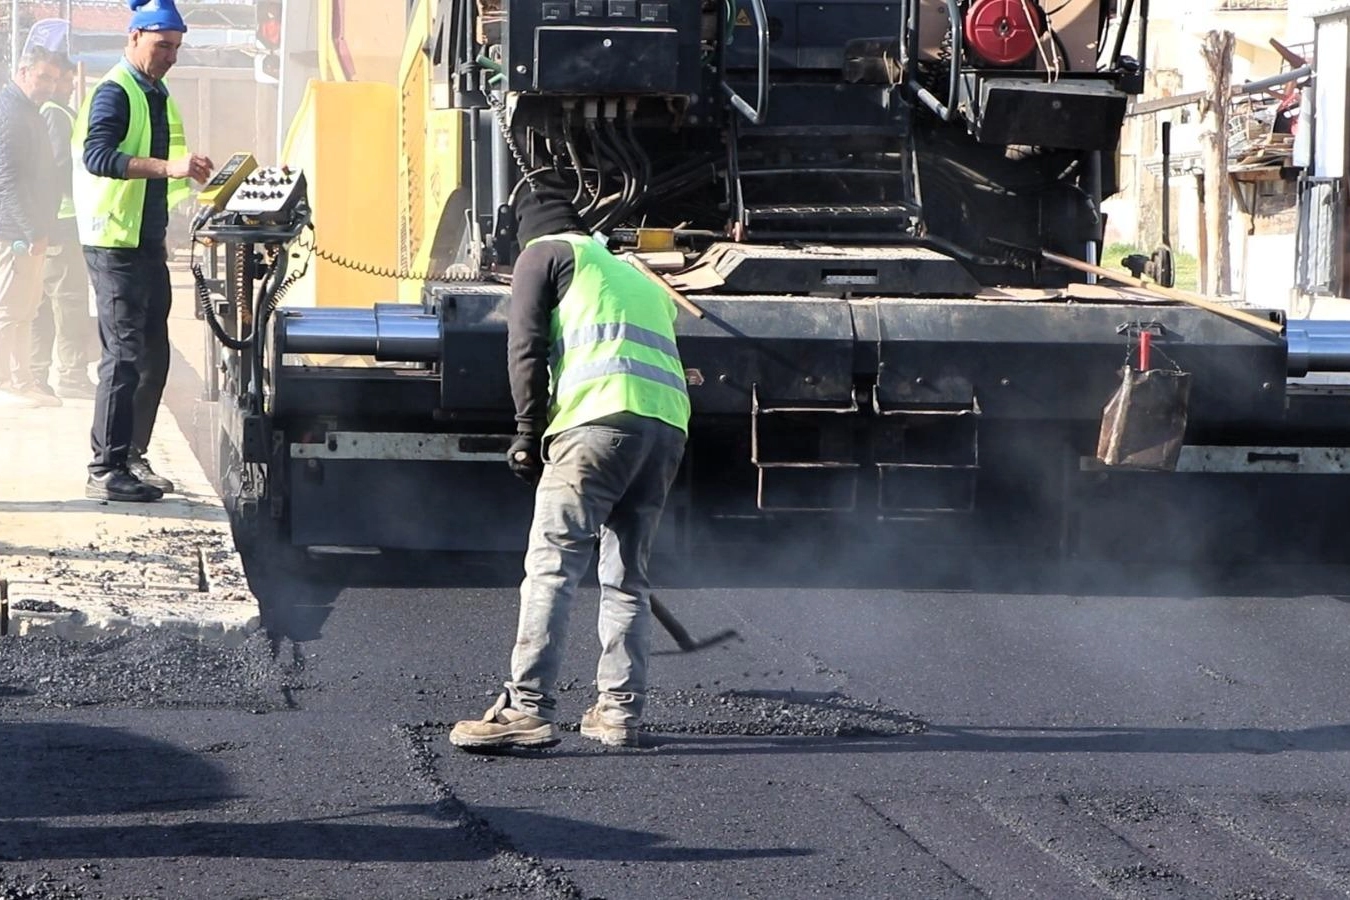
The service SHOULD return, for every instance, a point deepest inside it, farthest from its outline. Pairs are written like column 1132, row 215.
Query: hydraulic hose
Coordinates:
column 209, row 313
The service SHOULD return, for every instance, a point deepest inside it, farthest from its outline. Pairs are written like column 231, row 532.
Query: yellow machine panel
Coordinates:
column 433, row 207
column 344, row 138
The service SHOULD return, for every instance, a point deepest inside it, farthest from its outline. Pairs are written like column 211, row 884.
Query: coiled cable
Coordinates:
column 265, row 302
column 504, row 126
column 458, row 272
column 302, row 249
column 203, row 292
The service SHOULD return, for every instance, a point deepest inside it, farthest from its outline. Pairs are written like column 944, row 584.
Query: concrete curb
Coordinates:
column 81, row 568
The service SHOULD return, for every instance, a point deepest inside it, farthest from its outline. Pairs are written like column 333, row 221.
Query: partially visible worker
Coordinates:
column 63, row 320
column 29, row 196
column 601, row 414
column 131, row 167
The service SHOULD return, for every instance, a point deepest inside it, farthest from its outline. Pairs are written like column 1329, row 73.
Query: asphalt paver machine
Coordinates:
column 856, row 198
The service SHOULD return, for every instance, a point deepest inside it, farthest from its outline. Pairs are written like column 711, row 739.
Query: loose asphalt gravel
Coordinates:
column 933, row 741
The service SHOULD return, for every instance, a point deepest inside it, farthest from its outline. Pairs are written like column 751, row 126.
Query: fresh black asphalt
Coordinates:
column 925, row 740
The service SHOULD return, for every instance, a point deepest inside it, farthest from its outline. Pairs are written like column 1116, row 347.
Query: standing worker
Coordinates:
column 29, row 195
column 63, row 316
column 131, row 166
column 602, row 412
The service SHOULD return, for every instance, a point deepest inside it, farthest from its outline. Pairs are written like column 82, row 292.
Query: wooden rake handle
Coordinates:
column 1190, row 299
column 680, row 299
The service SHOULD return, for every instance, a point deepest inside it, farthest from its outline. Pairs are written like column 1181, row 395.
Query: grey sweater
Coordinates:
column 30, row 190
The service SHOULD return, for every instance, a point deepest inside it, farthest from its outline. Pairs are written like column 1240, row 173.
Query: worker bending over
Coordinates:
column 602, row 413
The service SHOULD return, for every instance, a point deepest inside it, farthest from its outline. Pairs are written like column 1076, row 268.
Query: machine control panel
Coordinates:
column 603, row 47
column 227, row 180
column 269, row 194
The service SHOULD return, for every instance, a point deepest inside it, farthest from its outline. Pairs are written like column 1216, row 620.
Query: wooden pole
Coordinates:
column 680, row 299
column 1206, row 303
column 1202, row 244
column 1217, row 50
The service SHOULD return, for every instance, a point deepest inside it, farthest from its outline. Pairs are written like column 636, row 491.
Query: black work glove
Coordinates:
column 526, row 458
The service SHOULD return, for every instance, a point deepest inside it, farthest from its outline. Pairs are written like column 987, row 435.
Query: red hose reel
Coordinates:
column 1004, row 32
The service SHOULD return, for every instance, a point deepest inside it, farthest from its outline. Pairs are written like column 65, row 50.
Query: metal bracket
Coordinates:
column 1213, row 460
column 828, row 483
column 397, row 446
column 1134, row 329
column 939, row 479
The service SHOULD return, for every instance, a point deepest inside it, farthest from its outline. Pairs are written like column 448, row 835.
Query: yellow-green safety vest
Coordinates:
column 108, row 211
column 613, row 344
column 67, row 210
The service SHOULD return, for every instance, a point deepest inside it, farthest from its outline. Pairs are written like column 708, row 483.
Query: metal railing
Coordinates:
column 760, row 111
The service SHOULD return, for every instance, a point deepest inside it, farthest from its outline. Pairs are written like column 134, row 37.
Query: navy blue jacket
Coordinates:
column 109, row 118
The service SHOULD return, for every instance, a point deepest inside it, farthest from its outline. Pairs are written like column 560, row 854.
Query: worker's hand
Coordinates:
column 526, row 458
column 39, row 248
column 194, row 166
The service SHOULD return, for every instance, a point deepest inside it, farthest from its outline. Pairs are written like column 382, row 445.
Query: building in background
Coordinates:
column 1323, row 274
column 1271, row 37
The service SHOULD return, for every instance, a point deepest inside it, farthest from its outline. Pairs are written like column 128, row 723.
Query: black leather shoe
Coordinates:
column 121, row 486
column 140, row 470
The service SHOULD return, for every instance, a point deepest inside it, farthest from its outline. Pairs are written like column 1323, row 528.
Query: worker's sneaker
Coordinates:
column 119, row 485
column 41, row 397
column 502, row 727
column 76, row 390
column 595, row 726
column 15, row 400
column 141, row 471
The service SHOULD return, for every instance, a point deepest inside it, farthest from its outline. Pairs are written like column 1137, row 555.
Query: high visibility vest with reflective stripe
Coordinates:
column 109, row 210
column 67, row 210
column 613, row 344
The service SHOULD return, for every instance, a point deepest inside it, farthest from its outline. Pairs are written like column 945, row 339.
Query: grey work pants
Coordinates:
column 20, row 291
column 605, row 481
column 63, row 318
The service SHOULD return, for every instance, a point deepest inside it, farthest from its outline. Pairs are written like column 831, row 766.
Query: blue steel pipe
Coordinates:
column 391, row 332
column 394, row 332
column 1317, row 345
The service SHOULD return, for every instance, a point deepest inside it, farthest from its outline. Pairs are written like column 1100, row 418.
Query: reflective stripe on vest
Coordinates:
column 614, row 345
column 67, row 210
column 109, row 210
column 575, row 375
column 616, row 331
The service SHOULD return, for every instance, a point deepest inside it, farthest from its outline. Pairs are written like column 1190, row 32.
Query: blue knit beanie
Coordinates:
column 155, row 15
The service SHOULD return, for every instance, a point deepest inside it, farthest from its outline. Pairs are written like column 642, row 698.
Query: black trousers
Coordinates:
column 131, row 290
